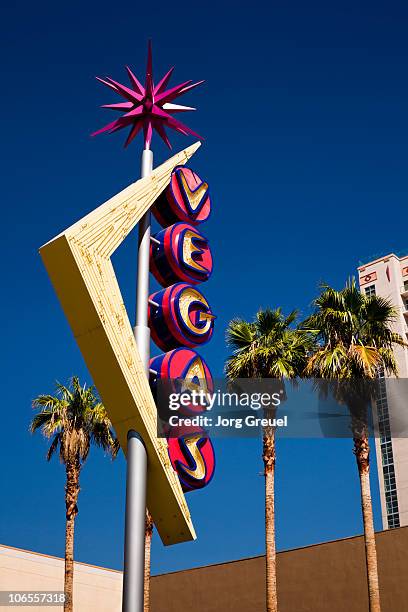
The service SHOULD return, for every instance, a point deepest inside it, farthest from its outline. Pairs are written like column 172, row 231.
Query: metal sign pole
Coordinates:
column 151, row 108
column 142, row 330
column 134, row 524
column 135, row 520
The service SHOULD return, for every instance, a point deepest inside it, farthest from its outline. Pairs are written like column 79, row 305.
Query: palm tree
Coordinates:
column 268, row 347
column 354, row 344
column 75, row 419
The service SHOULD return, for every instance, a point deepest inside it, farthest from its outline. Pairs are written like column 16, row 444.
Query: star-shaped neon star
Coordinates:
column 150, row 107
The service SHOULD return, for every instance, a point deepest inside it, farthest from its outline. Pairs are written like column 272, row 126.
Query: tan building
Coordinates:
column 388, row 277
column 96, row 588
column 329, row 576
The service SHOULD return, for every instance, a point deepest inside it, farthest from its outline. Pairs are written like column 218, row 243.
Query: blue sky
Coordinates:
column 305, row 125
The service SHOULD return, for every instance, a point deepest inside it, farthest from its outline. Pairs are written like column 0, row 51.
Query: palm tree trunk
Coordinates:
column 148, row 544
column 269, row 457
column 71, row 497
column 362, row 453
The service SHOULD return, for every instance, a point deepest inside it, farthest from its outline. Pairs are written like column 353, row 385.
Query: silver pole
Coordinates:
column 136, row 477
column 133, row 573
column 142, row 330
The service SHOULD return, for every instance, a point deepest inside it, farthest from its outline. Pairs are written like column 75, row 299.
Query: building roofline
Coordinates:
column 38, row 554
column 279, row 552
column 191, row 569
column 374, row 261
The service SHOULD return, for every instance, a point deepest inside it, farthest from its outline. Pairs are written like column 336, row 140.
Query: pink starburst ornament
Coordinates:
column 150, row 107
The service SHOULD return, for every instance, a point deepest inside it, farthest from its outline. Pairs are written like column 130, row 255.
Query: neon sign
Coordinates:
column 78, row 261
column 180, row 253
column 186, row 368
column 192, row 456
column 185, row 199
column 180, row 316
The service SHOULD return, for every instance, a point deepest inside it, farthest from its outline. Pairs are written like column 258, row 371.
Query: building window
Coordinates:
column 370, row 290
column 390, row 486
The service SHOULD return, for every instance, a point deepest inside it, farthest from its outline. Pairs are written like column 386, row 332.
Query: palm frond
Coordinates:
column 367, row 360
column 354, row 335
column 268, row 347
column 46, row 401
column 268, row 320
column 75, row 418
column 239, row 334
column 54, row 445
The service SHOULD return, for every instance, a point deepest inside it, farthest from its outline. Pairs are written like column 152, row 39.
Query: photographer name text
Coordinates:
column 227, row 422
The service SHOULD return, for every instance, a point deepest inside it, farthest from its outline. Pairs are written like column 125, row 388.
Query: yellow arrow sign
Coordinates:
column 79, row 265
